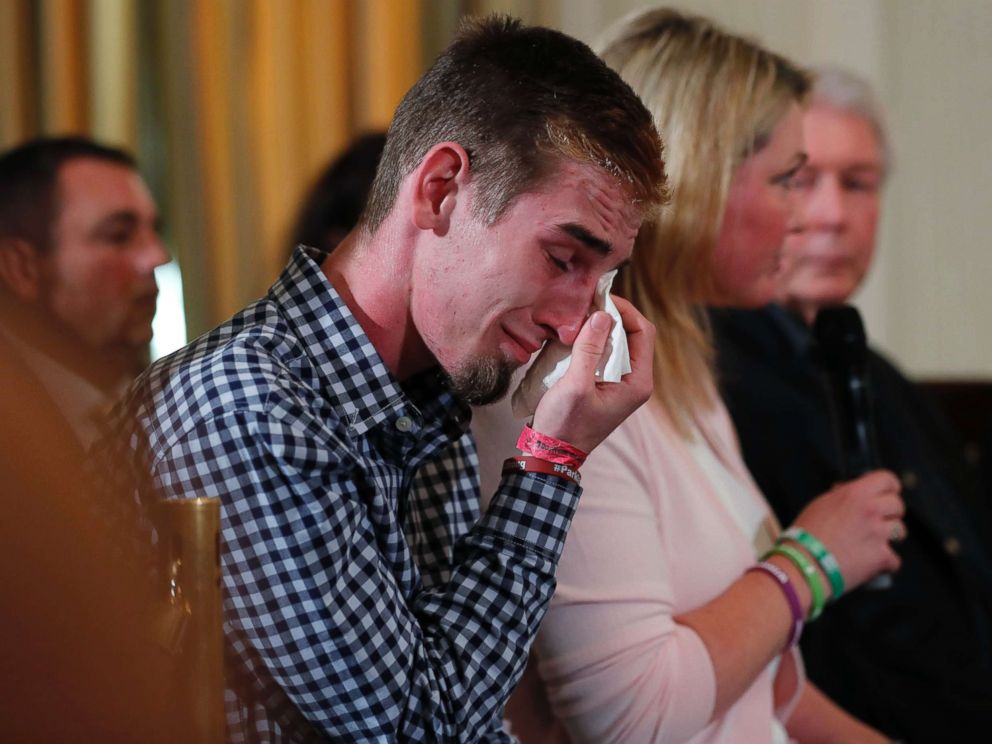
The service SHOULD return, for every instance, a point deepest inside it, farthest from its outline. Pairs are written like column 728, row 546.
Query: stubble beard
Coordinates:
column 482, row 380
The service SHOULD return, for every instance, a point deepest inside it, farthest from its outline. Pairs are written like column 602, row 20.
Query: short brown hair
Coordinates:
column 29, row 176
column 519, row 99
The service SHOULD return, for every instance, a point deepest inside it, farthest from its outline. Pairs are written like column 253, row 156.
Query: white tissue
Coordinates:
column 554, row 358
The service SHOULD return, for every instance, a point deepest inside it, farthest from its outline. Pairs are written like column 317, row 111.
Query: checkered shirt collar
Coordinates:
column 355, row 379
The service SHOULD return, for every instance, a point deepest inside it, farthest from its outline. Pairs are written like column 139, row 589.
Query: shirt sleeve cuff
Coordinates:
column 533, row 508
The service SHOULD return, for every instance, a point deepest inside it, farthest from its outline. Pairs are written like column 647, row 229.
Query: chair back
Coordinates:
column 189, row 530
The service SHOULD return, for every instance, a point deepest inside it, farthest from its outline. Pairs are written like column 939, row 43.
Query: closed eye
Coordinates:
column 560, row 263
column 118, row 237
column 805, row 178
column 787, row 179
column 117, row 228
column 867, row 183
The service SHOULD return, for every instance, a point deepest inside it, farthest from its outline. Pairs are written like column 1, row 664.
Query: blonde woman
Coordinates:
column 658, row 630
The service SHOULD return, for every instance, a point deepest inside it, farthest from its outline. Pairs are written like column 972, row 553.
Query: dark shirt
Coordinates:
column 366, row 599
column 912, row 659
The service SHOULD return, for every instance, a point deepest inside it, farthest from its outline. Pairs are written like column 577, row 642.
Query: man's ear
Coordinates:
column 438, row 182
column 20, row 268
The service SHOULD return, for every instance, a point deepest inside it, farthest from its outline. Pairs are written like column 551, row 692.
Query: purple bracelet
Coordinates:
column 782, row 579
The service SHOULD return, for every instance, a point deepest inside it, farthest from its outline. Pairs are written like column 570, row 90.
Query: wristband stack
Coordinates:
column 809, row 572
column 807, row 568
column 544, row 454
column 824, row 558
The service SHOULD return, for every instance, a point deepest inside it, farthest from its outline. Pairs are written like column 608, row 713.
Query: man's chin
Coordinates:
column 482, row 381
column 824, row 292
column 137, row 339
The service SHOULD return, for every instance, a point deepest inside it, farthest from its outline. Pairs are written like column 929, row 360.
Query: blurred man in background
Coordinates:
column 80, row 658
column 79, row 244
column 913, row 659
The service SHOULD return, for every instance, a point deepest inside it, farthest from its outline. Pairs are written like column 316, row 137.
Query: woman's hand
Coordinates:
column 857, row 521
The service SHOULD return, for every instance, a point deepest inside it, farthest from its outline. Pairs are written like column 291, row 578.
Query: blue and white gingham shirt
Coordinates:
column 365, row 597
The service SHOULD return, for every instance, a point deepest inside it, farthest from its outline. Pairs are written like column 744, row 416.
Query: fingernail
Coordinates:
column 601, row 321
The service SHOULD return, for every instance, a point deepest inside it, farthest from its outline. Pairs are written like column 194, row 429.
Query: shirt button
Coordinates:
column 404, row 424
column 952, row 545
column 909, row 479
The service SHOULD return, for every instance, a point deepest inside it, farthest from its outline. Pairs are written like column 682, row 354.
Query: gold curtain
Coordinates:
column 232, row 106
column 538, row 12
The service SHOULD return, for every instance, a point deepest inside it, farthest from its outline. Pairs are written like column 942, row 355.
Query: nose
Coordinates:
column 824, row 207
column 152, row 254
column 563, row 312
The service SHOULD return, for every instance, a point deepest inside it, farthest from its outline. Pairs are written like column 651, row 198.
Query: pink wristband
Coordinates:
column 550, row 449
column 782, row 579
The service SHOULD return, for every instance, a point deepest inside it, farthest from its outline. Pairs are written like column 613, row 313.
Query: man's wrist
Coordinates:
column 551, row 449
column 531, row 464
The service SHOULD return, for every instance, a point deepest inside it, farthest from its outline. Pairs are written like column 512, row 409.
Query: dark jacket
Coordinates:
column 915, row 659
column 77, row 662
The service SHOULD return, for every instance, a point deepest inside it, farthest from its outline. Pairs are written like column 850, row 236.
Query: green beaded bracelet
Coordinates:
column 823, row 556
column 808, row 570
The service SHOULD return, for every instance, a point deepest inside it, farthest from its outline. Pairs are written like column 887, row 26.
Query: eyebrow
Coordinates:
column 123, row 215
column 578, row 232
column 129, row 218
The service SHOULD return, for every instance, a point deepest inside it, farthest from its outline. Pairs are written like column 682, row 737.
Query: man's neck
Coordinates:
column 106, row 368
column 804, row 310
column 371, row 273
column 82, row 403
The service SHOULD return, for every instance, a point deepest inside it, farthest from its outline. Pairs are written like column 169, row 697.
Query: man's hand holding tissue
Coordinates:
column 579, row 409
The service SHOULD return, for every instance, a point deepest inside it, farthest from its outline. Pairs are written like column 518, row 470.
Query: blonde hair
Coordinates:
column 715, row 99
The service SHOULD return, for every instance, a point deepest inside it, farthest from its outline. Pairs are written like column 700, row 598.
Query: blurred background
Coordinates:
column 234, row 106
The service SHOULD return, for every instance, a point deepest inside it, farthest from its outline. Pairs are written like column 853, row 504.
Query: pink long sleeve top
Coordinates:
column 664, row 525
